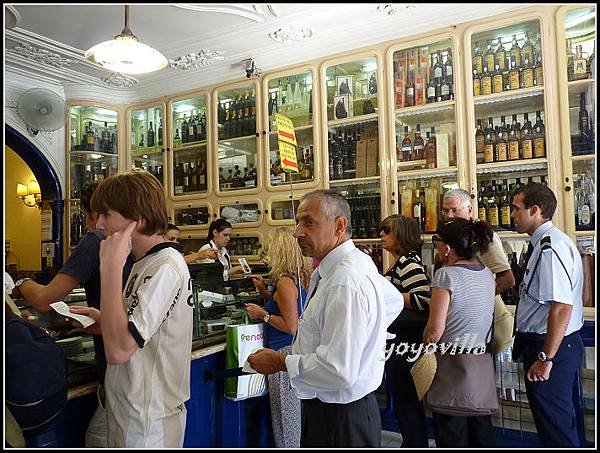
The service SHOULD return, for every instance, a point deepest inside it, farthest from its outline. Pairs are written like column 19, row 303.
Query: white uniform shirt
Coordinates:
column 559, row 277
column 223, row 257
column 338, row 352
column 145, row 395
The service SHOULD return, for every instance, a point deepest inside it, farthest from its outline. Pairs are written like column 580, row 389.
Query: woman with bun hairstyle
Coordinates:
column 461, row 308
column 219, row 235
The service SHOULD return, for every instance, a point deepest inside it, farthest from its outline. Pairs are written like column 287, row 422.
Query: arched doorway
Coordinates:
column 48, row 181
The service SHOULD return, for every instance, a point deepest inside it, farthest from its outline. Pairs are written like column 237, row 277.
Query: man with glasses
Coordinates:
column 457, row 204
column 549, row 317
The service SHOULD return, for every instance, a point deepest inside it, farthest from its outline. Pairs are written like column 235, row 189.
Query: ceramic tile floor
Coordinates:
column 391, row 439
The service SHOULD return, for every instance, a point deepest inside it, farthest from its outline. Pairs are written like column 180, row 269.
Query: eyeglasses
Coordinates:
column 454, row 211
column 386, row 229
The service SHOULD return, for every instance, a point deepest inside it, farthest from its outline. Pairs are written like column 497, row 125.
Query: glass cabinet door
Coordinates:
column 241, row 213
column 191, row 215
column 279, row 210
column 237, row 157
column 292, row 96
column 146, row 140
column 189, row 165
column 509, row 133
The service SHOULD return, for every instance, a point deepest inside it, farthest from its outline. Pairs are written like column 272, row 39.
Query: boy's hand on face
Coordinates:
column 115, row 248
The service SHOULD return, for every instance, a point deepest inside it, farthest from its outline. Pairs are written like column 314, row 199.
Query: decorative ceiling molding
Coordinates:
column 41, row 55
column 12, row 17
column 392, row 10
column 197, row 60
column 291, row 33
column 249, row 12
column 117, row 80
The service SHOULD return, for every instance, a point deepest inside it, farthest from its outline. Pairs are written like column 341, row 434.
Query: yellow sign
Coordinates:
column 287, row 157
column 285, row 129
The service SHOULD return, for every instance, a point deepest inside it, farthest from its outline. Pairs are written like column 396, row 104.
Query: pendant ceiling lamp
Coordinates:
column 126, row 54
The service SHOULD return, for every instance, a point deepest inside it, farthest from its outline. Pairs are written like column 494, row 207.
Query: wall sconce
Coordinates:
column 30, row 194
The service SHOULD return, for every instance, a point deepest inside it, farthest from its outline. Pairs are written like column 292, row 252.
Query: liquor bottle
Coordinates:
column 246, row 118
column 516, row 126
column 193, row 176
column 240, row 131
column 479, row 143
column 141, row 143
column 500, row 56
column 578, row 68
column 584, row 212
column 430, row 157
column 431, row 209
column 497, row 80
column 527, row 49
column 513, row 74
column 489, row 57
column 186, row 177
column 527, row 73
column 482, row 204
column 504, row 208
column 105, row 140
column 501, row 154
column 513, row 144
column 90, row 138
column 431, row 97
column 419, row 209
column 194, row 127
column 447, row 68
column 476, row 82
column 488, row 150
column 150, row 135
column 538, row 72
column 527, row 142
column 185, row 131
column 493, row 214
column 515, row 52
column 160, row 133
column 486, row 81
column 409, row 100
column 178, row 178
column 585, row 135
column 177, row 137
column 406, row 201
column 418, row 145
column 446, row 89
column 203, row 124
column 221, row 114
column 407, row 150
column 477, row 60
column 539, row 137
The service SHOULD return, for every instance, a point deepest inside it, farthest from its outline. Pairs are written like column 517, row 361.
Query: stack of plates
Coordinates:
column 71, row 346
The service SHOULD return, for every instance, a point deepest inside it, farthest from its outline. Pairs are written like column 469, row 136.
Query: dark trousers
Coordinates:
column 551, row 401
column 356, row 424
column 408, row 409
column 453, row 431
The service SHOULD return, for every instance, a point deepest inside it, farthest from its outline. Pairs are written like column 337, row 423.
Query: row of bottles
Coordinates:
column 516, row 260
column 237, row 117
column 353, row 151
column 77, row 227
column 192, row 129
column 197, row 216
column 584, row 141
column 293, row 98
column 421, row 149
column 305, row 159
column 494, row 200
column 237, row 177
column 97, row 139
column 83, row 175
column 422, row 77
column 244, row 246
column 499, row 69
column 190, row 176
column 503, row 142
column 579, row 64
column 375, row 251
column 422, row 203
column 366, row 213
column 585, row 202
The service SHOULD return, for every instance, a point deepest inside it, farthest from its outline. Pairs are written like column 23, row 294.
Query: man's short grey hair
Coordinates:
column 463, row 195
column 333, row 204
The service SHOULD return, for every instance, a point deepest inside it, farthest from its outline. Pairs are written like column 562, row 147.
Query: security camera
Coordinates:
column 251, row 69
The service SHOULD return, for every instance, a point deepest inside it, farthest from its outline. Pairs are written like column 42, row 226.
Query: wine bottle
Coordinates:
column 539, row 137
column 500, row 57
column 479, row 143
column 486, row 81
column 150, row 135
column 407, row 151
column 476, row 82
column 141, row 143
column 90, row 139
column 160, row 133
column 477, row 60
column 419, row 145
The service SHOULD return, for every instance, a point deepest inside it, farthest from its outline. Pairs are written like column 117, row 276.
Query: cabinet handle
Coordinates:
column 567, row 188
column 264, row 132
column 215, row 215
column 393, row 201
column 266, row 211
column 257, row 134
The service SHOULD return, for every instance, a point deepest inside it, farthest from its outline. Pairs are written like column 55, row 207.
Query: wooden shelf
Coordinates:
column 354, row 181
column 190, row 145
column 354, row 120
column 426, row 173
column 509, row 96
column 436, row 112
column 520, row 165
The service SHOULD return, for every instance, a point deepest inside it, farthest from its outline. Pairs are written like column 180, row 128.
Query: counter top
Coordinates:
column 90, row 387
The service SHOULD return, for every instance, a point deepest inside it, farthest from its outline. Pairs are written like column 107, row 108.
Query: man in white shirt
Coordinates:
column 337, row 356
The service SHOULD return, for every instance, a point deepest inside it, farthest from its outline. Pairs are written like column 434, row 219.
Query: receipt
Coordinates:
column 63, row 309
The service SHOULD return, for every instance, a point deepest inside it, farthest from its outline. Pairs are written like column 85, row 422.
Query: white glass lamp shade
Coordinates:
column 22, row 190
column 125, row 54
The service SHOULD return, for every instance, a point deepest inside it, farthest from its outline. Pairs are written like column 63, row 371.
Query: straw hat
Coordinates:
column 423, row 372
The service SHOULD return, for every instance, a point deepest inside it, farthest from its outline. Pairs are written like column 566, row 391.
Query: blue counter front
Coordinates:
column 212, row 419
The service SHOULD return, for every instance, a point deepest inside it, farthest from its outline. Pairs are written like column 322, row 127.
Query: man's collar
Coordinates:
column 334, row 256
column 540, row 231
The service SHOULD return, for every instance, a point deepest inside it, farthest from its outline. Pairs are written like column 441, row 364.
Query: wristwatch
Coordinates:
column 542, row 357
column 267, row 317
column 21, row 281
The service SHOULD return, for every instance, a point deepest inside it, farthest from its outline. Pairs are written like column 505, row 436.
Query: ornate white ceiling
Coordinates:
column 207, row 43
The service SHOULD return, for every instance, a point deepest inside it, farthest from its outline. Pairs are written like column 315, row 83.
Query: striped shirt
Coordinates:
column 408, row 276
column 472, row 292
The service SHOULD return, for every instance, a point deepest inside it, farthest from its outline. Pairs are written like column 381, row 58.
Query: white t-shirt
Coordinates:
column 145, row 396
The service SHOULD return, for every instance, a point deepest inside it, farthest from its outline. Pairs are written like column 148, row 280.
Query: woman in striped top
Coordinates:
column 401, row 236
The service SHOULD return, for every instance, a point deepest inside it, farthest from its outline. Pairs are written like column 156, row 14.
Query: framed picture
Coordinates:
column 362, row 88
column 343, row 106
column 344, row 85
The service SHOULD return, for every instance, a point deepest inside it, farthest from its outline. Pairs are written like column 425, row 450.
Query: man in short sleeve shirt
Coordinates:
column 549, row 317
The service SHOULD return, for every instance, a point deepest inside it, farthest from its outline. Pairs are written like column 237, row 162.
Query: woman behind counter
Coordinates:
column 219, row 235
column 401, row 236
column 280, row 315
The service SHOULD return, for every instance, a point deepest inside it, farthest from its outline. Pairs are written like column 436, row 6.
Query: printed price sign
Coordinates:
column 285, row 129
column 287, row 156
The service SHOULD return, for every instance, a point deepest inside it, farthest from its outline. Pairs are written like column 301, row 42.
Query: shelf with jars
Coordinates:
column 279, row 210
column 237, row 145
column 191, row 215
column 291, row 94
column 247, row 212
column 146, row 139
column 189, row 160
